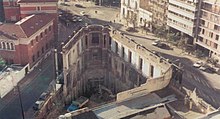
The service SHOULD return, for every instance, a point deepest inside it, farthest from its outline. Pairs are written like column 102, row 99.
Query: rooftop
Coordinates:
column 136, row 107
column 25, row 27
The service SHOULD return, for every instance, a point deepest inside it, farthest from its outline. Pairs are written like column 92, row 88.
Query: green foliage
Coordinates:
column 2, row 63
column 182, row 43
column 160, row 31
column 174, row 37
column 199, row 54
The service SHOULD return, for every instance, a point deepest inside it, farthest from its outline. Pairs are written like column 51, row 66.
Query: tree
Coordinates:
column 160, row 31
column 2, row 62
column 182, row 43
column 132, row 20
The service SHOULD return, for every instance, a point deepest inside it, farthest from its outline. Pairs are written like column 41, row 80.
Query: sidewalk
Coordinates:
column 151, row 36
column 24, row 82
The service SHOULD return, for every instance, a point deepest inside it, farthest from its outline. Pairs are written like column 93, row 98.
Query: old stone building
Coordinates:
column 98, row 55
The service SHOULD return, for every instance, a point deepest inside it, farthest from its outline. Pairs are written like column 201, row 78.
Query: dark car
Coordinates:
column 80, row 6
column 43, row 96
column 207, row 68
column 38, row 105
column 162, row 45
column 131, row 29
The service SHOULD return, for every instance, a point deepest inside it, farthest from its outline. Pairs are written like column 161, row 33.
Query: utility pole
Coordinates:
column 19, row 94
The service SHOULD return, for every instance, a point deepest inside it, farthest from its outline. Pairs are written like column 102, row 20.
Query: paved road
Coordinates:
column 31, row 87
column 205, row 83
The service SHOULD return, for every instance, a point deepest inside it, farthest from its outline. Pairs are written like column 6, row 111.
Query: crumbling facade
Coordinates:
column 98, row 55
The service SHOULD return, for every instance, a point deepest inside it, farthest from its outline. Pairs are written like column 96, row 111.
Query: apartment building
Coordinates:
column 183, row 16
column 28, row 40
column 129, row 10
column 145, row 11
column 209, row 30
column 145, row 14
column 159, row 11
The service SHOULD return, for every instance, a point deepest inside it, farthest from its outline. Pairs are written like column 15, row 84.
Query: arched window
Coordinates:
column 0, row 45
column 3, row 45
column 8, row 46
column 12, row 46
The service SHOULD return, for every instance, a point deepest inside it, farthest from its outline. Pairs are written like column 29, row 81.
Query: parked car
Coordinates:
column 130, row 29
column 156, row 42
column 82, row 13
column 43, row 96
column 207, row 68
column 38, row 105
column 198, row 64
column 80, row 6
column 64, row 4
column 77, row 104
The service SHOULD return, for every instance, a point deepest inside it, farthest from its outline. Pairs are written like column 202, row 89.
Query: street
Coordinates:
column 30, row 87
column 207, row 85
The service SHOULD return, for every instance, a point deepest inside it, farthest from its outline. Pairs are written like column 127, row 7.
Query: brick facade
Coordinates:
column 28, row 40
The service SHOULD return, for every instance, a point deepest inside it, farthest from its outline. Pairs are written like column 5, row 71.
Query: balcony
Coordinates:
column 181, row 19
column 212, row 19
column 177, row 26
column 185, row 13
column 183, row 4
column 200, row 43
column 212, row 10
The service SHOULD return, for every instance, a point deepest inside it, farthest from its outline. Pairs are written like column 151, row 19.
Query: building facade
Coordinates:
column 145, row 14
column 159, row 10
column 11, row 10
column 209, row 30
column 129, row 11
column 28, row 7
column 97, row 55
column 183, row 16
column 28, row 40
column 143, row 11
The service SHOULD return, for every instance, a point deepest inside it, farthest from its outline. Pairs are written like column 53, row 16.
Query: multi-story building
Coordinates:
column 144, row 11
column 28, row 40
column 145, row 14
column 182, row 16
column 97, row 55
column 28, row 7
column 11, row 10
column 129, row 11
column 159, row 11
column 209, row 29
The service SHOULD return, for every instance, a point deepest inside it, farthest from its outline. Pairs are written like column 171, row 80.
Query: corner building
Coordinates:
column 209, row 29
column 98, row 55
column 28, row 40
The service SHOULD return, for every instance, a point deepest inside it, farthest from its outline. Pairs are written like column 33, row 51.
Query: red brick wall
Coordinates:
column 8, row 55
column 33, row 50
column 12, row 12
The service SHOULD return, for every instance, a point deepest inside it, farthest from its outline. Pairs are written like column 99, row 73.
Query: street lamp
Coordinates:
column 19, row 93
